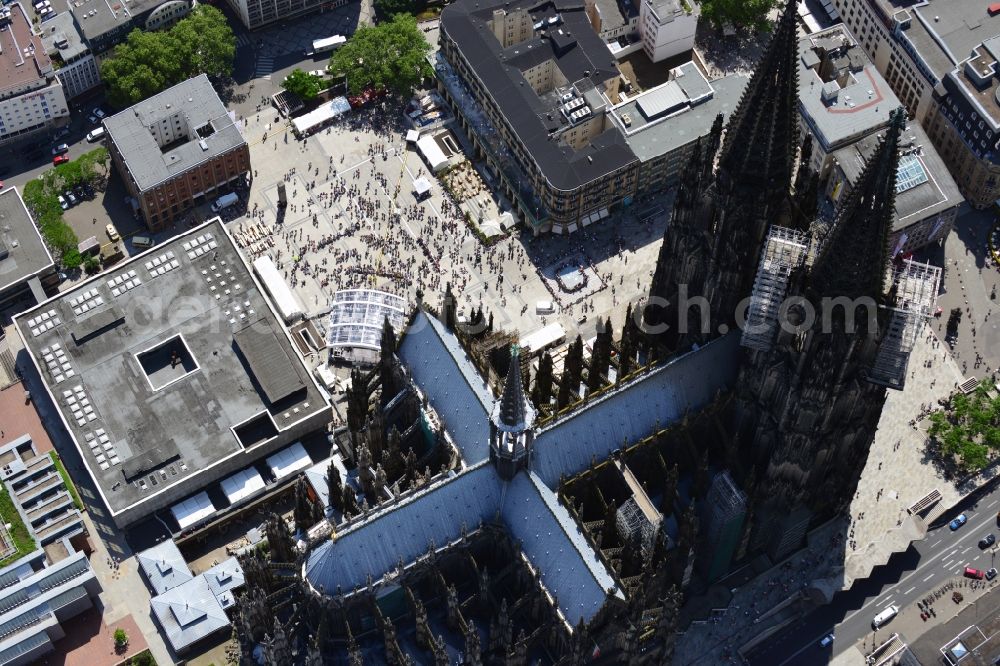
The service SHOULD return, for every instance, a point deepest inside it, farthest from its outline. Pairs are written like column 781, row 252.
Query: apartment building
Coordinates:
column 177, row 148
column 75, row 65
column 32, row 99
column 940, row 58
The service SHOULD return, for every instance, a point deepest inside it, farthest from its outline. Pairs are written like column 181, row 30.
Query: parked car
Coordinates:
column 826, row 640
column 112, row 232
column 991, row 573
column 71, row 198
column 958, row 522
column 987, row 541
column 61, row 133
column 974, row 573
column 322, row 73
column 100, row 114
column 59, row 159
column 61, row 149
column 62, row 203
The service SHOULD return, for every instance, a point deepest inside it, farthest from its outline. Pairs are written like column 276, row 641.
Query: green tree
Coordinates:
column 751, row 14
column 210, row 42
column 148, row 62
column 386, row 9
column 390, row 55
column 303, row 84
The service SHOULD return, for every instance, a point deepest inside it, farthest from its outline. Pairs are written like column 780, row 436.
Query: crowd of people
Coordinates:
column 360, row 234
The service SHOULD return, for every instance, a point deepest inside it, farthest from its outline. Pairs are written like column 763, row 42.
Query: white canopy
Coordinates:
column 289, row 460
column 412, row 136
column 322, row 114
column 193, row 510
column 432, row 152
column 421, row 186
column 243, row 484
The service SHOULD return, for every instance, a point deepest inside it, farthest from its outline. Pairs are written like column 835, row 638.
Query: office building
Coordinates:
column 169, row 372
column 537, row 90
column 176, row 149
column 660, row 28
column 75, row 65
column 27, row 271
column 258, row 13
column 927, row 197
column 106, row 24
column 845, row 105
column 667, row 28
column 32, row 99
column 842, row 97
column 940, row 58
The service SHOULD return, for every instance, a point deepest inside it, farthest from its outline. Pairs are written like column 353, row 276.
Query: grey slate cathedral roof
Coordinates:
column 397, row 534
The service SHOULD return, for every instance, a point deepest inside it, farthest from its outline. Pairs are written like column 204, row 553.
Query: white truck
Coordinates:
column 225, row 201
column 326, row 44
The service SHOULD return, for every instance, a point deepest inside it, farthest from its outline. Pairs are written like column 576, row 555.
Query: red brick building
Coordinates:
column 176, row 149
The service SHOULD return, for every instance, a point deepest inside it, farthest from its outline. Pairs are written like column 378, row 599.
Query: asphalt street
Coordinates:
column 907, row 577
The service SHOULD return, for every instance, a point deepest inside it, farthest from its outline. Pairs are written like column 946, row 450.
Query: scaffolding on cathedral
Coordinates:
column 916, row 296
column 785, row 250
column 634, row 525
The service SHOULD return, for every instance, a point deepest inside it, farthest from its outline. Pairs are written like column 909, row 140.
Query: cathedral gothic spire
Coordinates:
column 727, row 199
column 855, row 255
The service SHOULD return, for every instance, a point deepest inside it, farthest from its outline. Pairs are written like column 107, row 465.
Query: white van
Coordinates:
column 142, row 242
column 887, row 614
column 225, row 201
column 95, row 134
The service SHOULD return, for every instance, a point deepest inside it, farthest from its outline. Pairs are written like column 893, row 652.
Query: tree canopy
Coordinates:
column 149, row 62
column 303, row 84
column 385, row 9
column 969, row 429
column 750, row 14
column 390, row 55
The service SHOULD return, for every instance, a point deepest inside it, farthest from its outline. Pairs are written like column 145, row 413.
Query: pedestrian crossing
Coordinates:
column 243, row 39
column 265, row 65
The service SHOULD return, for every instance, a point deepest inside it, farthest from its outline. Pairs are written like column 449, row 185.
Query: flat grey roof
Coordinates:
column 196, row 289
column 580, row 54
column 98, row 17
column 861, row 106
column 650, row 140
column 23, row 255
column 198, row 102
column 945, row 32
column 940, row 191
column 268, row 360
column 62, row 27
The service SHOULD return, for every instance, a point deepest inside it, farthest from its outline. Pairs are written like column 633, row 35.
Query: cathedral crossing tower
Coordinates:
column 511, row 423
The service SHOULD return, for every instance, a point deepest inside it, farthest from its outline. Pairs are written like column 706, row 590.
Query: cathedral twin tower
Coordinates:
column 806, row 407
